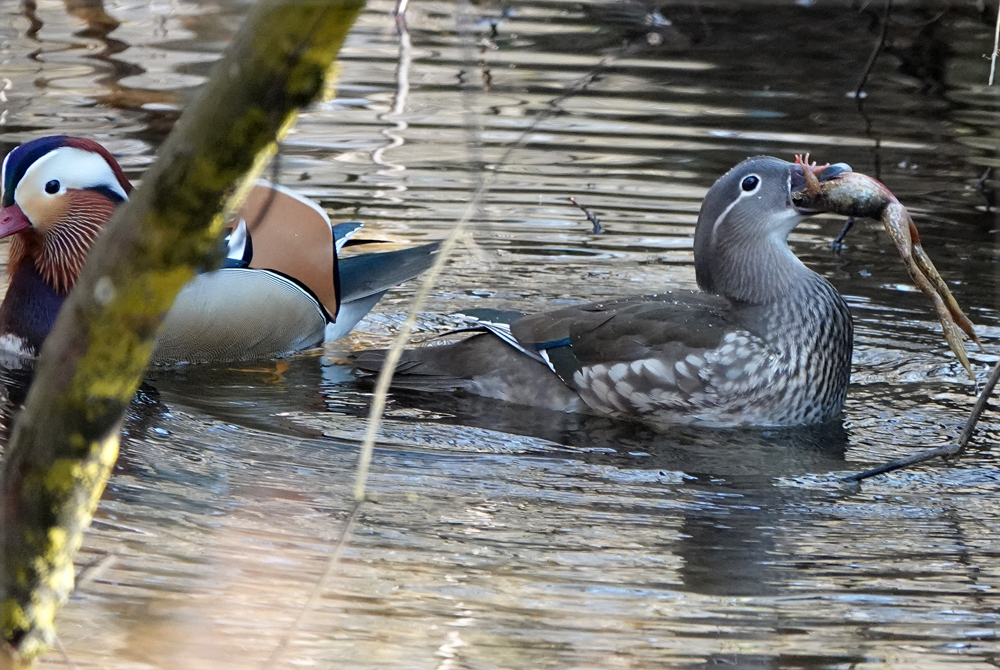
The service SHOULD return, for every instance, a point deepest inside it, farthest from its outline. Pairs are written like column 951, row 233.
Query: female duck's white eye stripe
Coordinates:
column 739, row 196
column 74, row 169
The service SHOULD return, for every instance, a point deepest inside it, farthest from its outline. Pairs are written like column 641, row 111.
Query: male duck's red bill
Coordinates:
column 283, row 288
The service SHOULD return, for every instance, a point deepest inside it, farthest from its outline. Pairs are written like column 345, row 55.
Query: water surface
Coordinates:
column 500, row 537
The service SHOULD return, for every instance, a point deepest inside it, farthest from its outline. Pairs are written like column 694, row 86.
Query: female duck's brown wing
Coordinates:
column 659, row 353
column 292, row 236
column 668, row 327
column 516, row 360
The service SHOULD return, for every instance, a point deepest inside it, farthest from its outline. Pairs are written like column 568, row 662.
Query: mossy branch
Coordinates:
column 65, row 441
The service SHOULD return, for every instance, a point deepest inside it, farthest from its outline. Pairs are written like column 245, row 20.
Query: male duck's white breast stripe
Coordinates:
column 236, row 241
column 3, row 175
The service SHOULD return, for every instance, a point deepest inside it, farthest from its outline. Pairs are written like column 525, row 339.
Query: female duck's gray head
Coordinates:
column 741, row 242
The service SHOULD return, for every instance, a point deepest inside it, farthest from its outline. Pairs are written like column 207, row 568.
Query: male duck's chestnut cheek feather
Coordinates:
column 66, row 243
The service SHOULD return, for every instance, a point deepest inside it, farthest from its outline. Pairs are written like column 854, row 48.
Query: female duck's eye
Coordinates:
column 52, row 187
column 750, row 183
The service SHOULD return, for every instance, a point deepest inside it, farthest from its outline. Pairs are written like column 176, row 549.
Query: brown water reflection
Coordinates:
column 500, row 537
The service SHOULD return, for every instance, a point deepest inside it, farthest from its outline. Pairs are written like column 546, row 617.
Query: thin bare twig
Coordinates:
column 590, row 216
column 948, row 451
column 380, row 396
column 62, row 652
column 345, row 532
column 996, row 47
column 95, row 570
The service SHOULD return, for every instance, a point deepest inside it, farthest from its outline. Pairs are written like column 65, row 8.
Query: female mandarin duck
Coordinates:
column 766, row 341
column 282, row 289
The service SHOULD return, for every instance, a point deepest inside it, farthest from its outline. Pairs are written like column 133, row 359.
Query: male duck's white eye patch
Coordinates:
column 68, row 168
column 41, row 190
column 750, row 183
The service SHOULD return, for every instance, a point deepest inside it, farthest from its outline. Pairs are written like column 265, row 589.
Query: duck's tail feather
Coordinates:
column 351, row 312
column 424, row 369
column 369, row 274
column 482, row 364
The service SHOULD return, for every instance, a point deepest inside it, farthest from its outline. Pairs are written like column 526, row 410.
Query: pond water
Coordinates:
column 498, row 536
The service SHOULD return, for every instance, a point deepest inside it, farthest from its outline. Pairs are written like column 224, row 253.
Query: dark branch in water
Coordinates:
column 859, row 89
column 590, row 216
column 949, row 451
column 984, row 188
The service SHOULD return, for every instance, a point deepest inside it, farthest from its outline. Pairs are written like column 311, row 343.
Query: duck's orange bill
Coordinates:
column 12, row 220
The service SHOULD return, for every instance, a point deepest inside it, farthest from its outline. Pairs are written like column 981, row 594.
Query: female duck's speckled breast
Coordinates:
column 791, row 365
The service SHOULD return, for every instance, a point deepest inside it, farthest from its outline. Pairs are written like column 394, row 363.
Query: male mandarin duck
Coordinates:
column 766, row 342
column 282, row 288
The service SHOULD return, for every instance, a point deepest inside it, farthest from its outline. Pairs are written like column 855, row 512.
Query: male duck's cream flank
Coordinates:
column 283, row 287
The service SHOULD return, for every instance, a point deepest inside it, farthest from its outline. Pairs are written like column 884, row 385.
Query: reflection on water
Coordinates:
column 499, row 536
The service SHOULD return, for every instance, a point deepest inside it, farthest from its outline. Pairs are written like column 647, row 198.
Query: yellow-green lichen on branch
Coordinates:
column 117, row 357
column 48, row 571
column 65, row 441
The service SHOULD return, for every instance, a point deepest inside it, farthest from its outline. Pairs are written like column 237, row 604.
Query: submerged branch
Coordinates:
column 596, row 222
column 860, row 88
column 65, row 441
column 948, row 451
